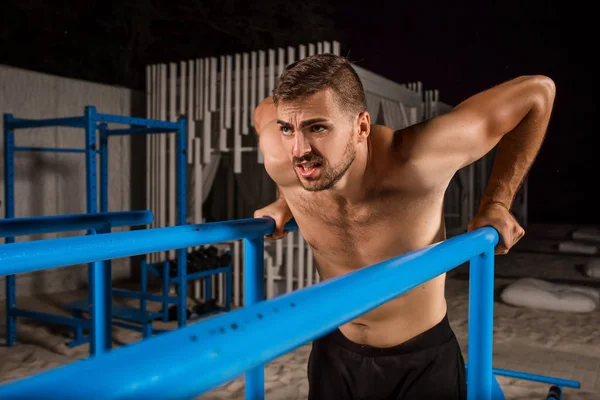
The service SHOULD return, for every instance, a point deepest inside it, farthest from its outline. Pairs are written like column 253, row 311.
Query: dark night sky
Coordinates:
column 462, row 50
column 457, row 49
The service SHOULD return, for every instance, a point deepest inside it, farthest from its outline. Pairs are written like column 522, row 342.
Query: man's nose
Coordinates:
column 301, row 145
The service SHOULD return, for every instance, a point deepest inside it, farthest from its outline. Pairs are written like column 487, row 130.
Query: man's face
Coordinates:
column 320, row 139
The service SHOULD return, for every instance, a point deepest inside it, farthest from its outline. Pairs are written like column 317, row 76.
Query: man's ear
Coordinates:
column 364, row 125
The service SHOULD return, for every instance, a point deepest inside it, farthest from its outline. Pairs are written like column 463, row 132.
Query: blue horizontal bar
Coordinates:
column 72, row 222
column 139, row 295
column 17, row 258
column 50, row 318
column 138, row 131
column 204, row 274
column 149, row 123
column 49, row 150
column 225, row 346
column 537, row 378
column 21, row 123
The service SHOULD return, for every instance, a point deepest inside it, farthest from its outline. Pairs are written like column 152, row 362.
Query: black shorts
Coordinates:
column 428, row 366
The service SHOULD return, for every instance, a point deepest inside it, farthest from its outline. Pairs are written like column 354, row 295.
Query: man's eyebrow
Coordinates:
column 303, row 123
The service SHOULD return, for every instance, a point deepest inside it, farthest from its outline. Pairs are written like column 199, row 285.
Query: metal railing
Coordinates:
column 243, row 340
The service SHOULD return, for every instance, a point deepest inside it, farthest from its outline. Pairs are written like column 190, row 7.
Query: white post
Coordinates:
column 237, row 138
column 245, row 84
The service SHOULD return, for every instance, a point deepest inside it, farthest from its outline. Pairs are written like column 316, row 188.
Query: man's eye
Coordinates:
column 317, row 128
column 286, row 130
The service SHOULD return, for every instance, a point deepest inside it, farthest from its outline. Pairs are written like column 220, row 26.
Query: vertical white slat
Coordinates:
column 245, row 92
column 253, row 84
column 207, row 85
column 300, row 256
column 309, row 266
column 198, row 90
column 301, row 52
column 228, row 92
column 260, row 93
column 279, row 254
column 172, row 91
column 319, row 47
column 236, row 273
column 326, row 47
column 182, row 86
column 311, row 49
column 207, row 126
column 336, row 48
column 191, row 132
column 213, row 84
column 291, row 55
column 270, row 280
column 289, row 262
column 271, row 71
column 281, row 61
column 237, row 138
column 206, row 136
column 163, row 154
column 221, row 290
column 222, row 130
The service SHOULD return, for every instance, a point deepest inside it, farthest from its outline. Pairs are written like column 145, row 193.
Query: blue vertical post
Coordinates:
column 481, row 326
column 97, row 296
column 106, row 285
column 254, row 275
column 181, row 199
column 9, row 212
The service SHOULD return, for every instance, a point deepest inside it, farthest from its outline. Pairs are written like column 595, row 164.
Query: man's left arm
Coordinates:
column 515, row 117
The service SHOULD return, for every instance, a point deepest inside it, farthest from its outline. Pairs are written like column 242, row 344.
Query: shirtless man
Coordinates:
column 362, row 194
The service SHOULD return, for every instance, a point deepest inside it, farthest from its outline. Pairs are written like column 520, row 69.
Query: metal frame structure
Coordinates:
column 97, row 134
column 243, row 340
column 99, row 276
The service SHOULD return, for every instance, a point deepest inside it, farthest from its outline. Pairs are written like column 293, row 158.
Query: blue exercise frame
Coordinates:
column 93, row 123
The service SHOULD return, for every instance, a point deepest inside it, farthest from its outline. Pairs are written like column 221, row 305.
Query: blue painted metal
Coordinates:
column 72, row 222
column 49, row 150
column 228, row 345
column 149, row 123
column 17, row 258
column 72, row 122
column 139, row 131
column 538, row 378
column 90, row 122
column 254, row 278
column 51, row 318
column 9, row 212
column 481, row 325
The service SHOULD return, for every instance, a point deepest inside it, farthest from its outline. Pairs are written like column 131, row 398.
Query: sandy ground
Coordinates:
column 559, row 344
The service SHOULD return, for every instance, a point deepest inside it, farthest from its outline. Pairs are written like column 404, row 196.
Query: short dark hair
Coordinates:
column 315, row 73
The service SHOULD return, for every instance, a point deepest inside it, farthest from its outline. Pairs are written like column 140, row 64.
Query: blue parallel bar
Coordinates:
column 204, row 274
column 72, row 222
column 51, row 318
column 537, row 378
column 142, row 296
column 227, row 345
column 21, row 123
column 139, row 131
column 17, row 258
column 49, row 150
column 254, row 277
column 481, row 325
column 150, row 123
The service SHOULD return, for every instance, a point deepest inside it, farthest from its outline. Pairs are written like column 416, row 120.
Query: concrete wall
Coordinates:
column 54, row 183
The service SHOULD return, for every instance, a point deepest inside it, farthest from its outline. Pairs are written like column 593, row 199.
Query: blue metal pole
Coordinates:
column 481, row 326
column 62, row 252
column 103, row 168
column 72, row 222
column 9, row 212
column 227, row 345
column 181, row 151
column 254, row 281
